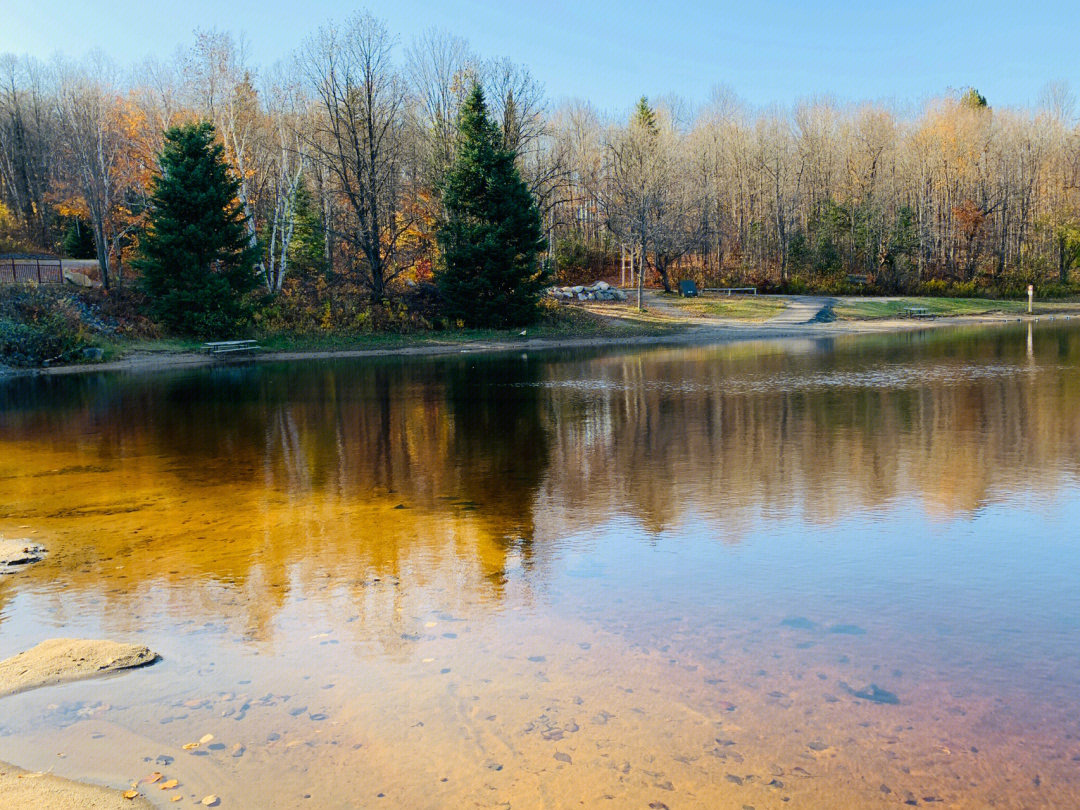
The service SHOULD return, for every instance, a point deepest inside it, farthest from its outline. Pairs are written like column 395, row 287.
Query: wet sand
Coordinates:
column 23, row 790
column 60, row 660
column 51, row 662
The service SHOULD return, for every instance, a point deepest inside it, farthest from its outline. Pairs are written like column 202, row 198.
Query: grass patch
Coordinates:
column 864, row 309
column 557, row 321
column 739, row 308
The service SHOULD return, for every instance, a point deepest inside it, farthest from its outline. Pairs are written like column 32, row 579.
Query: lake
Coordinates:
column 822, row 573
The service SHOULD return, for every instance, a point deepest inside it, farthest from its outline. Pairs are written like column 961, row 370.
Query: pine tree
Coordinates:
column 492, row 234
column 307, row 248
column 973, row 100
column 197, row 264
column 645, row 117
column 78, row 241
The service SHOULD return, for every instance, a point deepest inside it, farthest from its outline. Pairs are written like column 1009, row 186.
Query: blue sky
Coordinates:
column 611, row 53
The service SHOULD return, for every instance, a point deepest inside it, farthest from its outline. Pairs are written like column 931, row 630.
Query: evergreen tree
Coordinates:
column 307, row 248
column 492, row 234
column 78, row 241
column 973, row 99
column 645, row 117
column 197, row 263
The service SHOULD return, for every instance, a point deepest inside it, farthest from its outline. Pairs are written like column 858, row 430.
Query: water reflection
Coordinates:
column 370, row 458
column 500, row 512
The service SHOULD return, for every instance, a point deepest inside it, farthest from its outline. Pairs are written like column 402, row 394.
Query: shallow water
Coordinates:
column 669, row 577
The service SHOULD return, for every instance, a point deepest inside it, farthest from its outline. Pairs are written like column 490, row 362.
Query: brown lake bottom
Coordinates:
column 827, row 576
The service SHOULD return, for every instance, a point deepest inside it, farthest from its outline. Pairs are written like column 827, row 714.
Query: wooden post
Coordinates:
column 37, row 262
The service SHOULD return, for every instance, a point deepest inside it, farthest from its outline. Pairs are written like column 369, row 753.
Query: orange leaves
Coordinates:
column 970, row 218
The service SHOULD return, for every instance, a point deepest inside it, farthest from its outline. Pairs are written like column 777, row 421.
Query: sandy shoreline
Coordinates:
column 690, row 332
column 60, row 661
column 24, row 789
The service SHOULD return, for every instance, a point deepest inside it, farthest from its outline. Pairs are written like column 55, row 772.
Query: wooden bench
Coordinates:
column 223, row 347
column 732, row 290
column 917, row 312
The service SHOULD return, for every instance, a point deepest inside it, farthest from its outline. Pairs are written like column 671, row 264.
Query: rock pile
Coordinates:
column 600, row 291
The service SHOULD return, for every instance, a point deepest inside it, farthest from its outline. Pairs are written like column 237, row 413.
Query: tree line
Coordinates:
column 343, row 154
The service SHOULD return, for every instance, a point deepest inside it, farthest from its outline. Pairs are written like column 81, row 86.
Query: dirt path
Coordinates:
column 798, row 309
column 802, row 309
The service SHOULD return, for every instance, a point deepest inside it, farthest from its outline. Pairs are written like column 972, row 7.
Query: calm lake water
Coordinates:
column 818, row 574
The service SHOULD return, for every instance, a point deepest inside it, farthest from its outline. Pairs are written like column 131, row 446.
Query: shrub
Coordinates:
column 38, row 326
column 578, row 261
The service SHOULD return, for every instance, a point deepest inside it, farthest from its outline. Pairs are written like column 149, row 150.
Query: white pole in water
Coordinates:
column 1031, row 294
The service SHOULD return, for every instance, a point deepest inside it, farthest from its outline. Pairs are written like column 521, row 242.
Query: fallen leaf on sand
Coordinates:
column 205, row 738
column 211, row 800
column 154, row 777
column 176, row 798
column 130, row 794
column 170, row 784
column 189, row 746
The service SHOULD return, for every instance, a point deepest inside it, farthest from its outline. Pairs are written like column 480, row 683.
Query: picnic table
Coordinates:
column 917, row 312
column 732, row 290
column 223, row 347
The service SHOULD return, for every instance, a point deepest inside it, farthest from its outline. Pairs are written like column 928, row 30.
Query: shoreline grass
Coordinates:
column 738, row 308
column 868, row 309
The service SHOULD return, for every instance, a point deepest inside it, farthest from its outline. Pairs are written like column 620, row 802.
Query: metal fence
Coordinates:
column 31, row 271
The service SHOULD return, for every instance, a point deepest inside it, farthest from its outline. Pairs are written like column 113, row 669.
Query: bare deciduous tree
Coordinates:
column 360, row 138
column 96, row 146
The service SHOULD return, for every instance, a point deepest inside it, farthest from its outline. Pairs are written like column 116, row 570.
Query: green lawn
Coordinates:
column 558, row 321
column 862, row 309
column 740, row 308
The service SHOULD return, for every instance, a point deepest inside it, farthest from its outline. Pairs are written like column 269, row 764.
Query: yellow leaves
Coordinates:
column 131, row 794
column 205, row 738
column 154, row 777
column 211, row 801
column 169, row 784
column 190, row 746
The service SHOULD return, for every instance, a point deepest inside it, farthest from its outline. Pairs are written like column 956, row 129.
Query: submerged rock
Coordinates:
column 16, row 554
column 847, row 630
column 873, row 693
